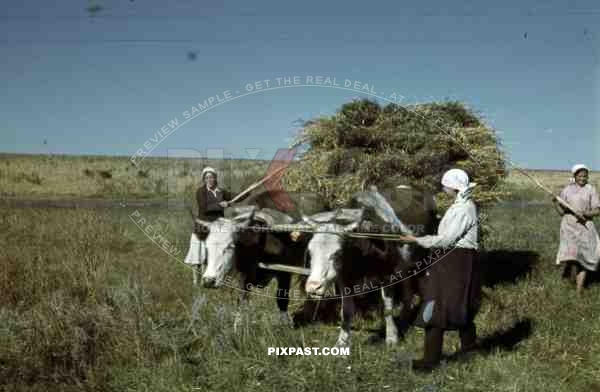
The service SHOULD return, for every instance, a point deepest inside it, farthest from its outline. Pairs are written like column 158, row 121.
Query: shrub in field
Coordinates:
column 365, row 143
column 143, row 173
column 105, row 173
column 33, row 178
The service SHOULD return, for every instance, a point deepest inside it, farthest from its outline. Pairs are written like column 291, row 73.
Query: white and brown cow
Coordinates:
column 339, row 260
column 232, row 247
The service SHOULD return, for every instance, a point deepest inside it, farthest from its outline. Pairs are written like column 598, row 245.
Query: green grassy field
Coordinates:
column 89, row 302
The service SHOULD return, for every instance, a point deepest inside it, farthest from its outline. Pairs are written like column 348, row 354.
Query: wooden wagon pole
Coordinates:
column 284, row 268
column 256, row 185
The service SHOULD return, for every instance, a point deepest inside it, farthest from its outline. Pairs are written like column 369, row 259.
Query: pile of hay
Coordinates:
column 366, row 144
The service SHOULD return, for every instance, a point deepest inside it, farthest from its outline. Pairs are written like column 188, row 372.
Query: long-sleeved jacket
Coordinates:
column 458, row 227
column 208, row 202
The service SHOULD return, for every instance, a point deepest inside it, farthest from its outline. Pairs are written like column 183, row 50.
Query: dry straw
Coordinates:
column 365, row 143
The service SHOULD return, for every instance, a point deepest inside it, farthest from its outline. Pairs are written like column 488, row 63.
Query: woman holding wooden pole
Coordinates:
column 211, row 204
column 579, row 247
column 211, row 201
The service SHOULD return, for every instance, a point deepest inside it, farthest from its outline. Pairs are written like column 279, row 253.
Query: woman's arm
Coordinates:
column 459, row 223
column 594, row 205
column 228, row 196
column 592, row 213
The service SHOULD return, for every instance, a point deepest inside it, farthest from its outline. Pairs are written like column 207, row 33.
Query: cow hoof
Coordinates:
column 342, row 343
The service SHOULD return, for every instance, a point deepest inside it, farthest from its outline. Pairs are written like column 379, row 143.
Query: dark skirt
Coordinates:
column 450, row 289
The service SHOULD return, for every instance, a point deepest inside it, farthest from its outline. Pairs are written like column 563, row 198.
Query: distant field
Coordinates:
column 41, row 176
column 56, row 177
column 553, row 179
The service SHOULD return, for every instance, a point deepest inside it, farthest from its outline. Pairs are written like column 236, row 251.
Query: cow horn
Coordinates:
column 352, row 226
column 308, row 220
column 277, row 216
column 265, row 218
column 245, row 214
column 351, row 214
column 323, row 217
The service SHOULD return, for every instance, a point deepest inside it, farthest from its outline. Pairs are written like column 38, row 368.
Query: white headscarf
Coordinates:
column 456, row 179
column 578, row 167
column 208, row 169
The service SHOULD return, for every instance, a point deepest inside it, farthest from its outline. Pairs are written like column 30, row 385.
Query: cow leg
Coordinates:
column 243, row 300
column 347, row 314
column 391, row 331
column 408, row 313
column 580, row 280
column 198, row 270
column 283, row 297
column 195, row 272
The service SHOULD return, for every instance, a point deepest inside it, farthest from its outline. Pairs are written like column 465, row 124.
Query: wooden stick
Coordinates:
column 256, row 185
column 558, row 198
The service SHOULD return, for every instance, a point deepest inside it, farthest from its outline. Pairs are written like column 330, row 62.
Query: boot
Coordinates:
column 434, row 341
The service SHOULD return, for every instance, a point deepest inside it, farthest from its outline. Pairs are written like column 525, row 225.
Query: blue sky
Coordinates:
column 106, row 85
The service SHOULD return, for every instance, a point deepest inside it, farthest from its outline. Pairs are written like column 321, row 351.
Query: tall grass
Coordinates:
column 88, row 302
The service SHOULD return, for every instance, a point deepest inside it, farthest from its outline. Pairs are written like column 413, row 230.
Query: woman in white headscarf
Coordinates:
column 579, row 247
column 452, row 283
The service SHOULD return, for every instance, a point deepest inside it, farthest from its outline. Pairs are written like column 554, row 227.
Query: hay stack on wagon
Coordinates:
column 365, row 143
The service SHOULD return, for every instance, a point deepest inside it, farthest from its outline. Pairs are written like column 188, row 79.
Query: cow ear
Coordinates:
column 244, row 213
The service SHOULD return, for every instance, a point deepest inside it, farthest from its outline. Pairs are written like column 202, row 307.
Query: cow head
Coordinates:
column 223, row 234
column 325, row 248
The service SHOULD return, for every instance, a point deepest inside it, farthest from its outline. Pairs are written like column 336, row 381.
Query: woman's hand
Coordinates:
column 224, row 204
